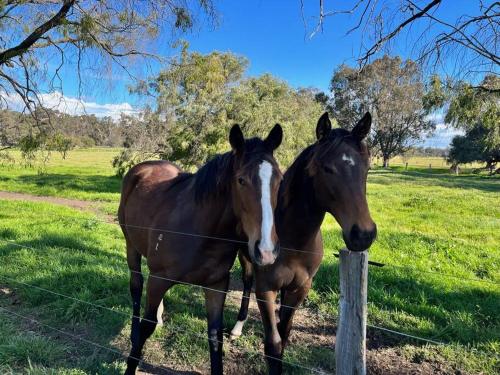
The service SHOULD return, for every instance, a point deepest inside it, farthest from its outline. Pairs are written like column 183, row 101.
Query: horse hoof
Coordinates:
column 237, row 330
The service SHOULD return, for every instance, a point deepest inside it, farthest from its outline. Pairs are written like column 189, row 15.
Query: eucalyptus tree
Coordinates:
column 197, row 97
column 436, row 33
column 474, row 108
column 392, row 90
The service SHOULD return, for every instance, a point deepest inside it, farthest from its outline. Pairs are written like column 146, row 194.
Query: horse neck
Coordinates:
column 300, row 220
column 223, row 219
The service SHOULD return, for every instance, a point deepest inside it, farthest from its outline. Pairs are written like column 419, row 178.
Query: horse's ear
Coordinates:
column 324, row 126
column 362, row 128
column 236, row 139
column 274, row 138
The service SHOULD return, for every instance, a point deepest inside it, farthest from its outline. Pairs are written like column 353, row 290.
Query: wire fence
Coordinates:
column 176, row 329
column 320, row 313
column 287, row 249
column 193, row 333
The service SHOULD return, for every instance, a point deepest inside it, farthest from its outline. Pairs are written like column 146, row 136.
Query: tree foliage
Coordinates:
column 474, row 109
column 392, row 90
column 198, row 98
column 259, row 102
column 20, row 130
column 93, row 36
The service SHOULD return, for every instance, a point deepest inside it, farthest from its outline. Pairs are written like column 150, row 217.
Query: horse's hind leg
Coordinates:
column 155, row 290
column 136, row 282
column 247, row 276
column 214, row 303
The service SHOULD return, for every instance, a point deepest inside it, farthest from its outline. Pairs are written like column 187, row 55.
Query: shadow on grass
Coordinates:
column 414, row 304
column 62, row 182
column 483, row 183
column 71, row 267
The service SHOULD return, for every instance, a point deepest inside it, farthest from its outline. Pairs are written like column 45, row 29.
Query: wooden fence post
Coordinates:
column 350, row 346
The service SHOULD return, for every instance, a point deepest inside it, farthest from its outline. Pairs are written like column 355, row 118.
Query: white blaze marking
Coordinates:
column 348, row 159
column 265, row 174
column 238, row 328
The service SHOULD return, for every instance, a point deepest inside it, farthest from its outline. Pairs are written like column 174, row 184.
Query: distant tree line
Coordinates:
column 435, row 152
column 63, row 133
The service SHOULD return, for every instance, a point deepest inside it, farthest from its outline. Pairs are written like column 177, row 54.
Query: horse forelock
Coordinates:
column 214, row 178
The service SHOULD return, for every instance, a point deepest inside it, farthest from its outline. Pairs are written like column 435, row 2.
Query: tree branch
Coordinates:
column 374, row 48
column 37, row 33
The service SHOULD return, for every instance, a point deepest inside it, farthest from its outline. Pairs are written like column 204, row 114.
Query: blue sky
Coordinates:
column 272, row 35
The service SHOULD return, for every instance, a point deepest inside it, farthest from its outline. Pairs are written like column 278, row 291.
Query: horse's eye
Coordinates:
column 241, row 181
column 327, row 169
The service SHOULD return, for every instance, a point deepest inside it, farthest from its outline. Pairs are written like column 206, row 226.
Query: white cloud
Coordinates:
column 74, row 106
column 442, row 136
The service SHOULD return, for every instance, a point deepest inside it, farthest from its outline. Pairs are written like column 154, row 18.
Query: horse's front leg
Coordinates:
column 290, row 301
column 155, row 290
column 214, row 303
column 247, row 275
column 272, row 341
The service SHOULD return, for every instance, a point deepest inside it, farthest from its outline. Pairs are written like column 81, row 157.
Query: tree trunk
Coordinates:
column 386, row 162
column 491, row 167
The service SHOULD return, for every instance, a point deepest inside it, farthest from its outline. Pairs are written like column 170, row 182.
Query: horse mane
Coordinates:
column 293, row 175
column 213, row 178
column 302, row 164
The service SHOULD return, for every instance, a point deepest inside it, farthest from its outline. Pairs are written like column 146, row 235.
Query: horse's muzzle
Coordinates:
column 264, row 257
column 360, row 240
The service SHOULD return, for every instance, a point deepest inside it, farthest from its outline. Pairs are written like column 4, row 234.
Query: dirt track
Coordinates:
column 72, row 203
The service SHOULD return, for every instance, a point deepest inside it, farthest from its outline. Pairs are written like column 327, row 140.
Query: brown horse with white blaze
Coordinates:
column 328, row 176
column 179, row 222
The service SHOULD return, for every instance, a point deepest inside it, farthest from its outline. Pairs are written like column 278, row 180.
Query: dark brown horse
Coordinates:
column 178, row 220
column 328, row 176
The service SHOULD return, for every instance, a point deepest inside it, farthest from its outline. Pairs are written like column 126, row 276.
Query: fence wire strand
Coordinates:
column 78, row 337
column 176, row 329
column 321, row 314
column 222, row 239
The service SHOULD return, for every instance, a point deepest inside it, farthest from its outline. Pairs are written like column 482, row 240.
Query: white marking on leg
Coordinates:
column 214, row 340
column 265, row 174
column 160, row 237
column 159, row 314
column 348, row 159
column 238, row 329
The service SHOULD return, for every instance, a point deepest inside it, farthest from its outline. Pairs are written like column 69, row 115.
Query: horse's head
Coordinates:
column 255, row 185
column 340, row 167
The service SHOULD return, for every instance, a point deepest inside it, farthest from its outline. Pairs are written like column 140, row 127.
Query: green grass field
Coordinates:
column 438, row 234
